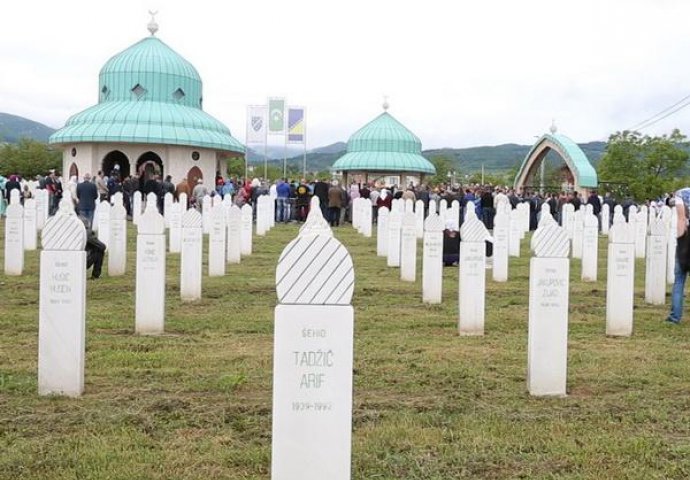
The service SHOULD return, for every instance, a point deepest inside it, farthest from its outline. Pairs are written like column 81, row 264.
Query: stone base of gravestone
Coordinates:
column 547, row 340
column 312, row 392
column 62, row 321
column 620, row 289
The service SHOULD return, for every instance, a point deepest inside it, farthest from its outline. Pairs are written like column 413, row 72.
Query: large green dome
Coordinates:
column 384, row 144
column 148, row 93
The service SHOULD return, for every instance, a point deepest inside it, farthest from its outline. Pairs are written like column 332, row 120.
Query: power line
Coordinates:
column 665, row 113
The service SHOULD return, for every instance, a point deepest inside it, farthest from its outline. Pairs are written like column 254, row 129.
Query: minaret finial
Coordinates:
column 385, row 103
column 553, row 129
column 153, row 26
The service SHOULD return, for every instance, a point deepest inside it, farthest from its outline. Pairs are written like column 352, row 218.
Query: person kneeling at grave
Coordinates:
column 95, row 250
column 451, row 243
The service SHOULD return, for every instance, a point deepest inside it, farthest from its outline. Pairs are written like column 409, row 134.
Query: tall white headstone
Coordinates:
column 313, row 360
column 605, row 219
column 671, row 243
column 234, row 227
column 206, row 205
column 590, row 247
column 408, row 247
column 62, row 307
column 167, row 204
column 150, row 275
column 472, row 291
column 394, row 233
column 14, row 236
column 246, row 235
column 41, row 196
column 568, row 219
column 620, row 280
column 216, row 242
column 419, row 215
column 104, row 223
column 382, row 232
column 136, row 207
column 262, row 222
column 184, row 201
column 117, row 243
column 640, row 231
column 501, row 244
column 514, row 233
column 655, row 262
column 175, row 228
column 547, row 339
column 191, row 256
column 366, row 218
column 30, row 228
column 432, row 259
column 578, row 232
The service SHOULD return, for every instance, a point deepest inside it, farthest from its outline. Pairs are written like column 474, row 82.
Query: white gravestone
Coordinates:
column 640, row 232
column 432, row 207
column 408, row 247
column 655, row 263
column 514, row 233
column 472, row 275
column 216, row 242
column 136, row 207
column 117, row 244
column 523, row 208
column 568, row 219
column 356, row 211
column 104, row 223
column 261, row 219
column 206, row 205
column 366, row 219
column 150, row 274
column 605, row 219
column 30, row 228
column 394, row 233
column 175, row 228
column 234, row 226
column 620, row 280
column 315, row 224
column 14, row 236
column 184, row 201
column 578, row 232
column 547, row 339
column 382, row 232
column 443, row 209
column 618, row 216
column 191, row 256
column 41, row 196
column 246, row 234
column 167, row 203
column 671, row 243
column 590, row 247
column 545, row 217
column 312, row 361
column 419, row 215
column 432, row 259
column 501, row 245
column 62, row 307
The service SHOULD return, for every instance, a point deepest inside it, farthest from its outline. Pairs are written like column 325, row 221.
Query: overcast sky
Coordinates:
column 458, row 73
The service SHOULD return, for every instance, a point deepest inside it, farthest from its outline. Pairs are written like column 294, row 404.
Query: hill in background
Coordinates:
column 13, row 128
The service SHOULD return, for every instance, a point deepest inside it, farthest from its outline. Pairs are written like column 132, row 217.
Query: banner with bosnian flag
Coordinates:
column 257, row 120
column 296, row 126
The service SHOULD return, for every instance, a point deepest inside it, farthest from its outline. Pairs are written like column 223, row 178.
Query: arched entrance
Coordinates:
column 116, row 161
column 148, row 166
column 193, row 175
column 73, row 171
column 577, row 166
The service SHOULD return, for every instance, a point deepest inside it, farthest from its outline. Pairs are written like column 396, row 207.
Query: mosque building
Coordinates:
column 148, row 121
column 384, row 151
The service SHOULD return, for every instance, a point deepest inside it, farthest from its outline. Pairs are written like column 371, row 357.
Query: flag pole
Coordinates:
column 304, row 143
column 266, row 147
column 246, row 144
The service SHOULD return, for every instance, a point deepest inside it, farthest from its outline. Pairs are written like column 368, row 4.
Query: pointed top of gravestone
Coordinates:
column 409, row 205
column 218, row 213
column 589, row 209
column 470, row 212
column 473, row 230
column 192, row 219
column 246, row 210
column 117, row 199
column 66, row 206
column 658, row 226
column 118, row 211
column 409, row 219
column 590, row 220
column 235, row 212
column 137, row 193
column 545, row 219
column 443, row 203
column 217, row 200
column 315, row 270
column 315, row 225
column 151, row 222
column 569, row 207
column 550, row 242
column 227, row 201
column 432, row 207
column 152, row 199
column 605, row 207
column 622, row 232
column 618, row 209
column 383, row 211
column 433, row 223
column 455, row 205
column 14, row 197
column 168, row 197
column 207, row 200
column 63, row 232
column 545, row 209
column 419, row 204
column 314, row 203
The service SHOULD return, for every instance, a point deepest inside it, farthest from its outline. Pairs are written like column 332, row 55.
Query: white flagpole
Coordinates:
column 246, row 142
column 266, row 119
column 304, row 142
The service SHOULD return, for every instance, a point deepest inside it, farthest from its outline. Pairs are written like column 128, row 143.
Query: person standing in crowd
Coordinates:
column 487, row 206
column 101, row 186
column 199, row 192
column 183, row 187
column 335, row 203
column 12, row 184
column 303, row 201
column 3, row 202
column 321, row 190
column 283, row 201
column 87, row 194
column 374, row 198
column 682, row 263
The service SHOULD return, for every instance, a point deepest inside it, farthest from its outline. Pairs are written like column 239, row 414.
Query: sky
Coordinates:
column 457, row 73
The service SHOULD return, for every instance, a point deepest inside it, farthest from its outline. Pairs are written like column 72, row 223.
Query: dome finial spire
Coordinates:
column 153, row 26
column 553, row 129
column 386, row 105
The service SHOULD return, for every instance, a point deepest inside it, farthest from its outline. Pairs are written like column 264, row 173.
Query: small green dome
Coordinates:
column 384, row 144
column 148, row 93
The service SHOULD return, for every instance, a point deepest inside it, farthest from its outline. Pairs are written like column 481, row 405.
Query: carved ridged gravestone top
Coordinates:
column 473, row 229
column 433, row 223
column 315, row 224
column 63, row 232
column 550, row 242
column 315, row 270
column 192, row 218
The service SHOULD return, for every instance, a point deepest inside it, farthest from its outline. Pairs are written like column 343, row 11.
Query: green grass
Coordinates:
column 428, row 404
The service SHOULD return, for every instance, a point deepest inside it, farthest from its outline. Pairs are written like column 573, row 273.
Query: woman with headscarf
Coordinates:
column 384, row 200
column 3, row 203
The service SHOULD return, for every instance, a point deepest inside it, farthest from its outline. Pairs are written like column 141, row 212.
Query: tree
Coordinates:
column 28, row 158
column 443, row 165
column 650, row 166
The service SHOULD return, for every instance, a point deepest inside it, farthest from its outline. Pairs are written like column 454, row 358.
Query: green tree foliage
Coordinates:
column 28, row 158
column 443, row 164
column 650, row 166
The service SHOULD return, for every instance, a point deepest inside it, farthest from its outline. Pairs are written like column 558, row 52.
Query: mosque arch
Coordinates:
column 73, row 170
column 583, row 175
column 115, row 161
column 193, row 175
column 149, row 164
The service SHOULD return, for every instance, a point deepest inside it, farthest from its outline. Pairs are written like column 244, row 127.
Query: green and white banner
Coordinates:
column 276, row 115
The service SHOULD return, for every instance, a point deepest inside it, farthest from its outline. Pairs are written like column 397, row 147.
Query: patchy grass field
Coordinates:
column 428, row 404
